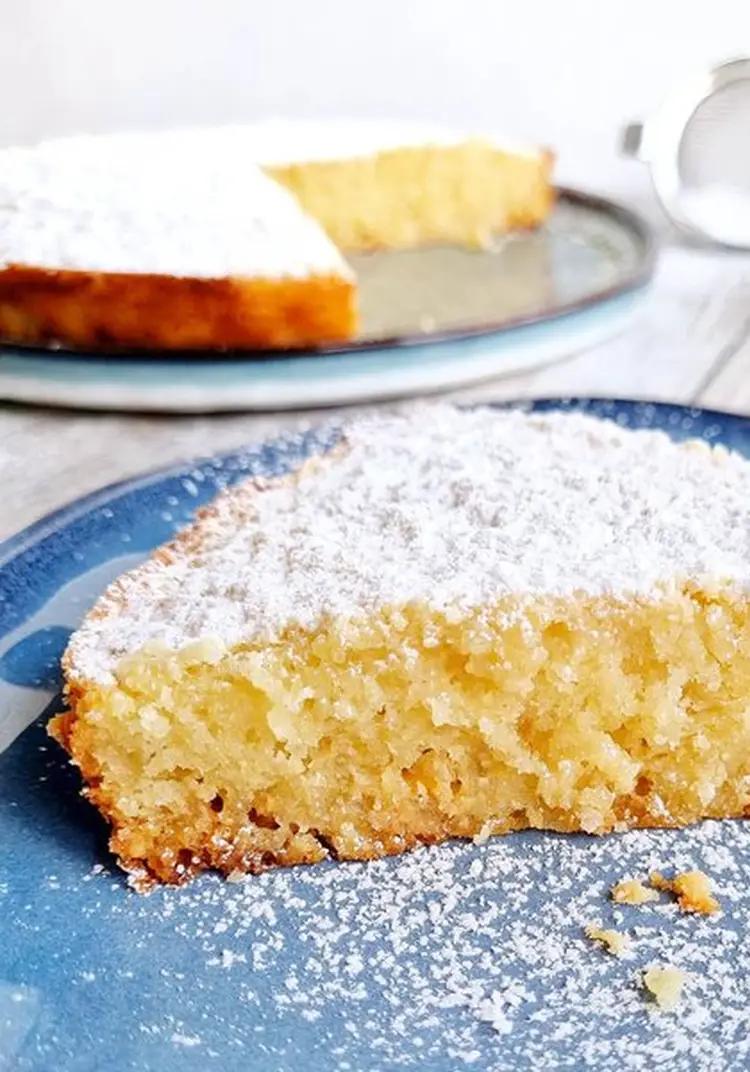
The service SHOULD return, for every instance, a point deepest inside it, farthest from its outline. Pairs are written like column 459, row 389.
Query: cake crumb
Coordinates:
column 485, row 833
column 692, row 890
column 613, row 941
column 665, row 984
column 633, row 892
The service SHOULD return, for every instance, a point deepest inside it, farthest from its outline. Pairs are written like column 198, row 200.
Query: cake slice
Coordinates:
column 162, row 241
column 456, row 623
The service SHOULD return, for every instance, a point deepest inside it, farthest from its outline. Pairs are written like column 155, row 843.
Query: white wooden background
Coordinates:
column 567, row 74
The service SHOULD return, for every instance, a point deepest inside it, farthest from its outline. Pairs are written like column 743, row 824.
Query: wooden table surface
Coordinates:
column 691, row 344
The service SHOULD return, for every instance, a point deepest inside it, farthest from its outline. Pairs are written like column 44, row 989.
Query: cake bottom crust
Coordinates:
column 102, row 310
column 245, row 854
column 364, row 739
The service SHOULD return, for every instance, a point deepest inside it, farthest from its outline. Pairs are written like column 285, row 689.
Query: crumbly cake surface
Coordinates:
column 666, row 984
column 453, row 509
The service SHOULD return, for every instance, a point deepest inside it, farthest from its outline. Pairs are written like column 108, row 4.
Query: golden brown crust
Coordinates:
column 101, row 310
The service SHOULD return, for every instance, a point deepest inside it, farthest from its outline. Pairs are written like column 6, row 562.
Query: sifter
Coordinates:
column 697, row 146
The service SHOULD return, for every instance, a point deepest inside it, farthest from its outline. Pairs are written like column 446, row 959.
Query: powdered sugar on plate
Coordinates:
column 453, row 957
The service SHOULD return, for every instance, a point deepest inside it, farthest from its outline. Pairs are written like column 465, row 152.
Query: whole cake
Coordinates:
column 455, row 623
column 232, row 237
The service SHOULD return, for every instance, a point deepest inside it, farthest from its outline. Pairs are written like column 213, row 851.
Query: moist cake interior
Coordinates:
column 402, row 198
column 410, row 726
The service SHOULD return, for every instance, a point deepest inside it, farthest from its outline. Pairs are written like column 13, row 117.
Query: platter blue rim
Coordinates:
column 367, row 370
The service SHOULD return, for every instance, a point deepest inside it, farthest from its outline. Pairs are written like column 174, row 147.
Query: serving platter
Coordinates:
column 432, row 319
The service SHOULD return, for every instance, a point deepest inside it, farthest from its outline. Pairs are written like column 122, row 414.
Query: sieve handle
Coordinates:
column 631, row 140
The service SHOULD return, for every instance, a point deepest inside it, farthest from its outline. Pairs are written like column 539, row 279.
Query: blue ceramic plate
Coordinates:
column 431, row 319
column 461, row 956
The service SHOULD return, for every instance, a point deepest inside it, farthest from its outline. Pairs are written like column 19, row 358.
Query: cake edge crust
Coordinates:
column 229, row 507
column 103, row 311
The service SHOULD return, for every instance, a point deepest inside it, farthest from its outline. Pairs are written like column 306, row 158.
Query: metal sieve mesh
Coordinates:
column 715, row 145
column 713, row 165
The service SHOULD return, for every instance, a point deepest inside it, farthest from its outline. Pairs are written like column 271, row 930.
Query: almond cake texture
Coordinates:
column 455, row 623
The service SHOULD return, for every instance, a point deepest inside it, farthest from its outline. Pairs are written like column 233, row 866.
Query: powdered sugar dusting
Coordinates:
column 452, row 508
column 185, row 204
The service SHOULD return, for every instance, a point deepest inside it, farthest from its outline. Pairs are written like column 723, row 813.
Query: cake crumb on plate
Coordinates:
column 692, row 890
column 633, row 892
column 665, row 983
column 613, row 941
